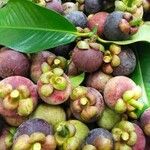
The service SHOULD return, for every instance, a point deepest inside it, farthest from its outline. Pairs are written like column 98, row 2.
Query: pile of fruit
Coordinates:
column 40, row 107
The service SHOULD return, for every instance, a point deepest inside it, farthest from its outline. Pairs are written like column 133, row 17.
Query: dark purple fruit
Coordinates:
column 78, row 18
column 88, row 59
column 127, row 62
column 34, row 134
column 100, row 139
column 98, row 20
column 86, row 104
column 118, row 26
column 98, row 80
column 145, row 122
column 13, row 63
column 93, row 6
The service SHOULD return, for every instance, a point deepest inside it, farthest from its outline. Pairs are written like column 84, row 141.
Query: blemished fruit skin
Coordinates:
column 111, row 27
column 98, row 80
column 93, row 6
column 13, row 63
column 98, row 20
column 115, row 88
column 49, row 113
column 100, row 138
column 78, row 18
column 141, row 141
column 11, row 116
column 145, row 122
column 93, row 58
column 127, row 62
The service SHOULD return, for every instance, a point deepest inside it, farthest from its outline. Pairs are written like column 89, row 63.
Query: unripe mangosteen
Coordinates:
column 118, row 26
column 128, row 136
column 100, row 139
column 86, row 104
column 13, row 63
column 93, row 6
column 6, row 138
column 50, row 113
column 87, row 58
column 78, row 18
column 98, row 20
column 54, row 87
column 122, row 94
column 145, row 121
column 121, row 60
column 108, row 119
column 18, row 97
column 69, row 7
column 98, row 80
column 34, row 134
column 43, row 62
column 71, row 134
column 54, row 5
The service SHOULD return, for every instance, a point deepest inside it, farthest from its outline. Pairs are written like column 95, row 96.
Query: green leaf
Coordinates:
column 77, row 80
column 141, row 35
column 141, row 75
column 28, row 28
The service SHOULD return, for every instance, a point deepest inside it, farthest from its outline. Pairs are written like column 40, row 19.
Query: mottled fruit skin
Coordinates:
column 99, row 103
column 111, row 28
column 128, row 63
column 98, row 80
column 33, row 125
column 93, row 6
column 78, row 18
column 37, row 60
column 87, row 60
column 58, row 96
column 51, row 114
column 13, row 63
column 145, row 121
column 141, row 141
column 98, row 20
column 100, row 138
column 115, row 88
column 11, row 116
column 55, row 5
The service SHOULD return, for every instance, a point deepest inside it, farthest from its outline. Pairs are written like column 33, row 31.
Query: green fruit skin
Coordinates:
column 108, row 119
column 52, row 114
column 75, row 142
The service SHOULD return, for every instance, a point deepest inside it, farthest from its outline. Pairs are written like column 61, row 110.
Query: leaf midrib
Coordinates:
column 35, row 29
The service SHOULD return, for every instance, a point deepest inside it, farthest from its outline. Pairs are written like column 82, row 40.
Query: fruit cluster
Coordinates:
column 40, row 109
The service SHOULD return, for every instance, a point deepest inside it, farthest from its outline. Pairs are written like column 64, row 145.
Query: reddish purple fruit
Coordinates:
column 145, row 122
column 121, row 94
column 43, row 62
column 86, row 104
column 128, row 136
column 34, row 134
column 13, row 63
column 18, row 97
column 98, row 20
column 87, row 59
column 54, row 87
column 98, row 80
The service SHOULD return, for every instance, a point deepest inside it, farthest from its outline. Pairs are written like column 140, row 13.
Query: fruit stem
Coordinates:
column 36, row 146
column 136, row 22
column 83, row 101
column 62, row 130
column 89, row 34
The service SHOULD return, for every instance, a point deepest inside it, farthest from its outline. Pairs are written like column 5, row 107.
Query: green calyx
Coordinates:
column 46, row 90
column 129, row 102
column 78, row 92
column 124, row 133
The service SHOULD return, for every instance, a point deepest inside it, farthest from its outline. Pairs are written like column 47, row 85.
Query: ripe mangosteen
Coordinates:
column 118, row 26
column 86, row 104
